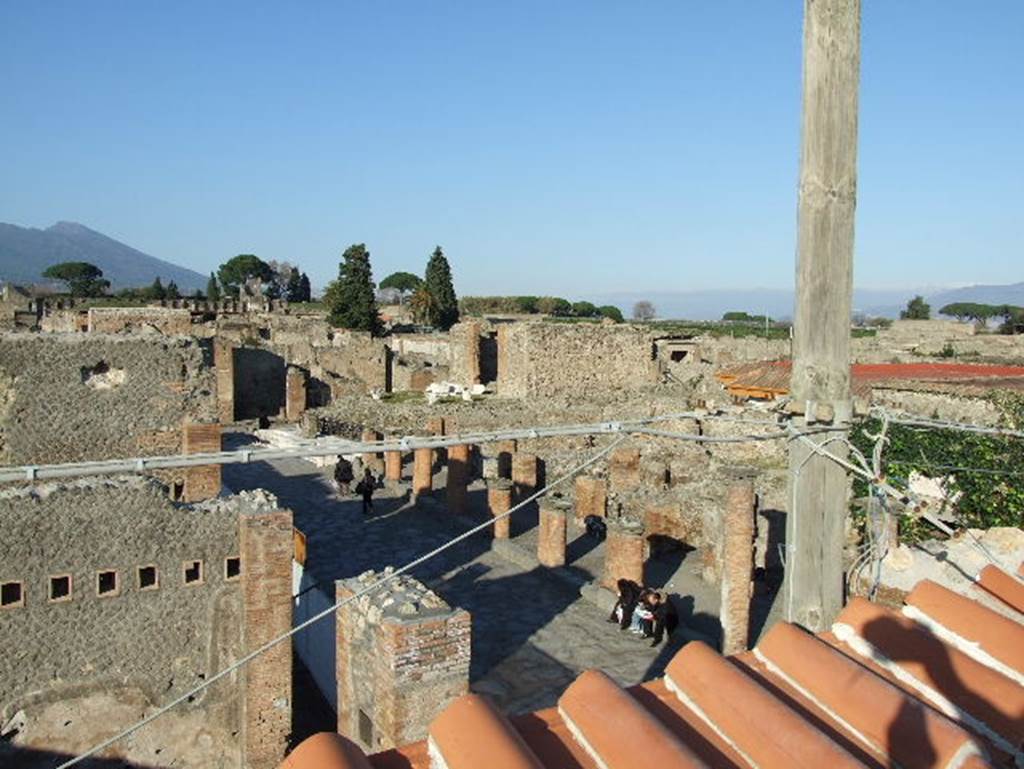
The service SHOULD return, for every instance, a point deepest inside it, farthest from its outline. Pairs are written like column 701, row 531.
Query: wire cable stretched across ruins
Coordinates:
column 335, row 446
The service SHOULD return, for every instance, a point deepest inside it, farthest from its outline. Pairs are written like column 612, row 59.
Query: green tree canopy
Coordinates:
column 293, row 289
column 172, row 292
column 235, row 271
column 438, row 281
column 81, row 278
column 917, row 309
column 584, row 310
column 554, row 305
column 527, row 304
column 610, row 311
column 212, row 289
column 305, row 291
column 402, row 281
column 350, row 298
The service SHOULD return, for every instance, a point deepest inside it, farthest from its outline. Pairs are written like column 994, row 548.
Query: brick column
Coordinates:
column 402, row 657
column 551, row 532
column 422, row 472
column 473, row 352
column 372, row 459
column 393, row 466
column 624, row 469
column 458, row 477
column 524, row 473
column 625, row 550
column 499, row 500
column 505, row 450
column 591, row 497
column 224, row 364
column 294, row 393
column 201, row 482
column 266, row 546
column 737, row 566
column 437, row 426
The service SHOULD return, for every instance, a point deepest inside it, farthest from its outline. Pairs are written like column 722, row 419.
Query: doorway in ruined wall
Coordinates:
column 489, row 358
column 259, row 383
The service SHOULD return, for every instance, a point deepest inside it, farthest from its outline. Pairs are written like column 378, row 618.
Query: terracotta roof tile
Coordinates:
column 979, row 632
column 326, row 749
column 976, row 696
column 616, row 730
column 470, row 733
column 1003, row 586
column 881, row 690
column 884, row 718
column 753, row 721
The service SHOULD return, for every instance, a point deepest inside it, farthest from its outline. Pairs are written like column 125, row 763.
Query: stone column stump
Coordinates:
column 625, row 552
column 499, row 500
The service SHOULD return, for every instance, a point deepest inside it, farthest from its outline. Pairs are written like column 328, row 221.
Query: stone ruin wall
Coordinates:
column 156, row 642
column 578, row 359
column 115, row 320
column 71, row 398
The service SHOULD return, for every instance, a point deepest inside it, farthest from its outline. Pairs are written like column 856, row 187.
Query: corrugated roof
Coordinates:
column 939, row 685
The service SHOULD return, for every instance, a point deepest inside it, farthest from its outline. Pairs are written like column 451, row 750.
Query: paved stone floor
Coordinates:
column 532, row 631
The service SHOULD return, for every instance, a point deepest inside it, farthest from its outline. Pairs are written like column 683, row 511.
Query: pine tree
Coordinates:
column 172, row 291
column 305, row 291
column 438, row 281
column 212, row 289
column 350, row 298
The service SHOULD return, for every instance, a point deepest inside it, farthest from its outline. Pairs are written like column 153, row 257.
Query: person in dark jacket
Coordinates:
column 666, row 618
column 343, row 475
column 629, row 595
column 365, row 489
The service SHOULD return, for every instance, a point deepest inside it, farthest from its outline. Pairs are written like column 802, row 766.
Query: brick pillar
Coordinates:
column 624, row 469
column 200, row 482
column 437, row 426
column 372, row 459
column 422, row 471
column 591, row 497
column 499, row 500
column 737, row 566
column 393, row 466
column 224, row 363
column 473, row 352
column 294, row 393
column 505, row 450
column 524, row 473
column 402, row 657
column 551, row 532
column 625, row 550
column 458, row 477
column 266, row 546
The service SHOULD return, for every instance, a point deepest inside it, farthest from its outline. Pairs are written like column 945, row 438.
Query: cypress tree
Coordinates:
column 172, row 291
column 438, row 280
column 293, row 291
column 305, row 292
column 350, row 298
column 212, row 289
column 157, row 291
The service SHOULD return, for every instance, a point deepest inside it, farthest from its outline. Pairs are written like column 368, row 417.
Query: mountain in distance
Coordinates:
column 778, row 303
column 26, row 251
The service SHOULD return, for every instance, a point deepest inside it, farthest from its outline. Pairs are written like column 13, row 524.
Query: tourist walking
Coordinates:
column 343, row 476
column 365, row 489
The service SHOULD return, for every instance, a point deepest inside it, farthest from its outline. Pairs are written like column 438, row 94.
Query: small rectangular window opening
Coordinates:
column 232, row 567
column 177, row 490
column 193, row 572
column 60, row 588
column 12, row 594
column 107, row 583
column 148, row 578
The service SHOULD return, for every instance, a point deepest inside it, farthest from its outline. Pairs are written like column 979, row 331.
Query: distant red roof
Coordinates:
column 769, row 379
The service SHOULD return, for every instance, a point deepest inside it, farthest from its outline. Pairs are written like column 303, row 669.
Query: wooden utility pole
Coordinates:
column 820, row 387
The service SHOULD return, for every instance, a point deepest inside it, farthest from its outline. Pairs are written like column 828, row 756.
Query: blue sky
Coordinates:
column 570, row 148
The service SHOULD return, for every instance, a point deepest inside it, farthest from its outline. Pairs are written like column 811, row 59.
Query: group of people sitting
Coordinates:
column 644, row 612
